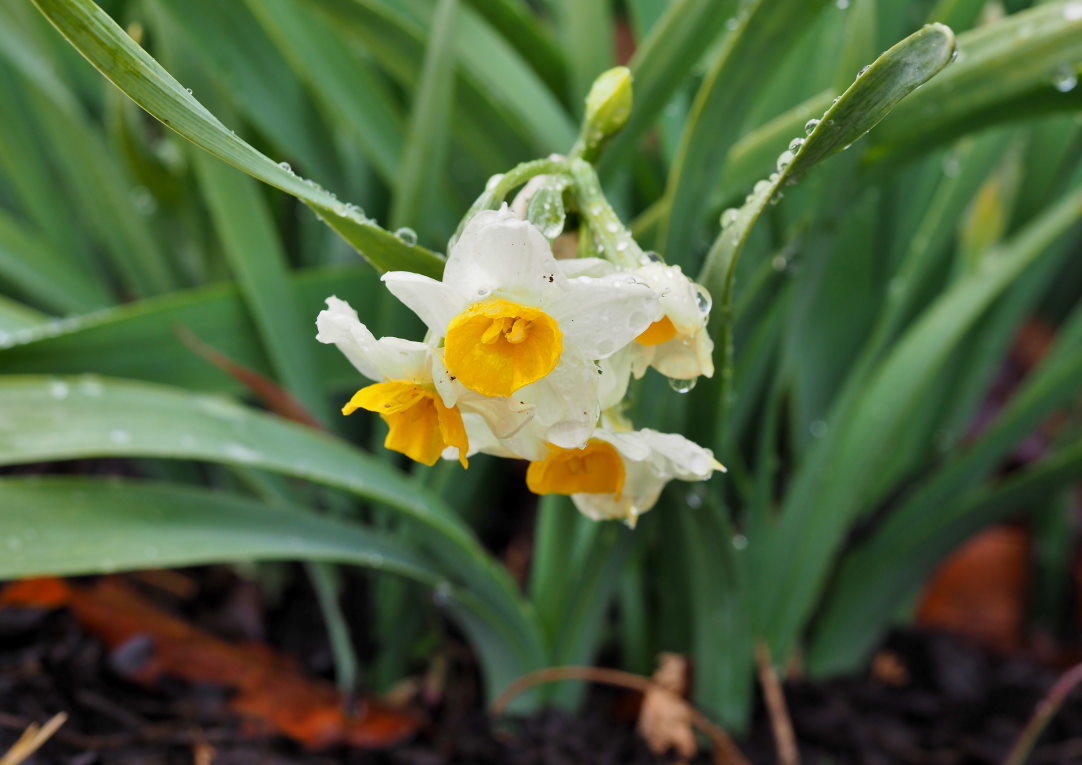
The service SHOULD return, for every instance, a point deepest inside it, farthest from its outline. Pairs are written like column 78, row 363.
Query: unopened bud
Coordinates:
column 608, row 105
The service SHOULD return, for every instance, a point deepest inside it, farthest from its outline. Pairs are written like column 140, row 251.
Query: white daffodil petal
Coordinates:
column 600, row 316
column 574, row 267
column 389, row 358
column 651, row 460
column 565, row 403
column 614, row 377
column 434, row 302
column 504, row 256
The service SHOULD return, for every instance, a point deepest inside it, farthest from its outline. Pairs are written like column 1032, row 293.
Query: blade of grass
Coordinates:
column 64, row 419
column 130, row 68
column 424, row 154
column 714, row 123
column 1005, row 71
column 258, row 262
column 875, row 576
column 140, row 340
column 832, row 484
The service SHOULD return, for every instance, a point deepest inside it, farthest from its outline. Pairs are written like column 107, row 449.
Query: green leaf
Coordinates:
column 833, row 482
column 763, row 30
column 586, row 30
column 131, row 69
column 30, row 264
column 16, row 316
column 140, row 341
column 258, row 262
column 69, row 418
column 425, row 152
column 348, row 85
column 1005, row 71
column 894, row 75
column 76, row 526
column 900, row 554
column 660, row 66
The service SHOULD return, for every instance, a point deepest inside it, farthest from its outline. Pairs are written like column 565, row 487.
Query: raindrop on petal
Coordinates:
column 682, row 386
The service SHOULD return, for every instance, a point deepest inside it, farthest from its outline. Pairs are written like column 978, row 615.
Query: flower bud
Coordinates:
column 608, row 106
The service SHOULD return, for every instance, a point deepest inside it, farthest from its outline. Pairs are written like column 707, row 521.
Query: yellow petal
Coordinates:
column 452, row 429
column 497, row 347
column 420, row 426
column 386, row 397
column 661, row 331
column 597, row 468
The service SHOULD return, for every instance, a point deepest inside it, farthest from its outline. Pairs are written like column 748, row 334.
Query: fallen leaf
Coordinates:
column 665, row 719
column 980, row 590
column 271, row 692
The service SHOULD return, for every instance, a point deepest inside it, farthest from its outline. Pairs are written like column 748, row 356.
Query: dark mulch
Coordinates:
column 934, row 699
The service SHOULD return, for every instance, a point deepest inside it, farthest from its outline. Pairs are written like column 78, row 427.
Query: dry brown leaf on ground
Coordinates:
column 665, row 719
column 271, row 691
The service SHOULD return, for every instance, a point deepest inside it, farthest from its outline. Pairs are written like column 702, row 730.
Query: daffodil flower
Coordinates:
column 421, row 425
column 620, row 475
column 513, row 325
column 677, row 344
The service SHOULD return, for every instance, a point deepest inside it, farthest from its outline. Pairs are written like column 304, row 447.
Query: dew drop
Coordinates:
column 241, row 453
column 1065, row 80
column 863, row 69
column 761, row 187
column 732, row 24
column 286, row 166
column 810, row 126
column 655, row 257
column 703, row 299
column 91, row 387
column 59, row 389
column 682, row 386
column 406, row 235
column 188, row 90
column 729, row 217
column 795, row 144
column 740, row 542
column 119, row 436
column 695, row 497
column 779, row 263
column 951, row 166
column 443, row 594
column 784, row 160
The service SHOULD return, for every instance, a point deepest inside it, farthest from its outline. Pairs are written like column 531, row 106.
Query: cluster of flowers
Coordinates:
column 530, row 357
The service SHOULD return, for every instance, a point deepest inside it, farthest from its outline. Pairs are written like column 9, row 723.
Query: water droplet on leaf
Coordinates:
column 406, row 235
column 810, row 126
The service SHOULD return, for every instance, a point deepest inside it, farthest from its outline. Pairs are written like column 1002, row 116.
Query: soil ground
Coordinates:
column 931, row 698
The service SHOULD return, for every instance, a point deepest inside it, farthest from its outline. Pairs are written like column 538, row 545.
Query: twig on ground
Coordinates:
column 725, row 751
column 1043, row 714
column 780, row 723
column 32, row 738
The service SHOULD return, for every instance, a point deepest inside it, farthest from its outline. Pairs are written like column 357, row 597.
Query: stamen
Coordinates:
column 495, row 329
column 519, row 330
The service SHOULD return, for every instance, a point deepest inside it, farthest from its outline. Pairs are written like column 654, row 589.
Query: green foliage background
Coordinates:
column 869, row 309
